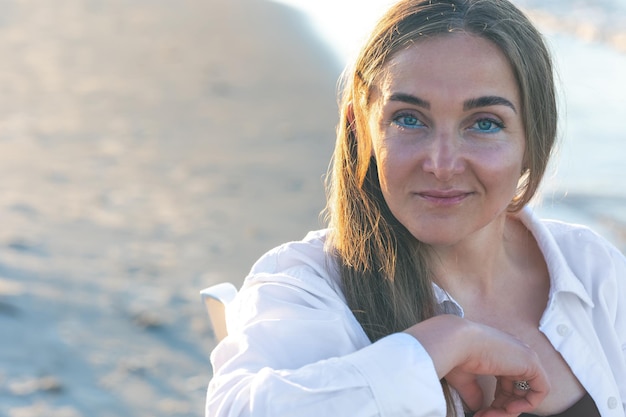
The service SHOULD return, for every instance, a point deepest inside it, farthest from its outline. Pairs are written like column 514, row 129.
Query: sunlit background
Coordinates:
column 150, row 148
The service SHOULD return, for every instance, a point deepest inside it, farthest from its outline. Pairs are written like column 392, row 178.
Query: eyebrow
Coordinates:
column 410, row 99
column 487, row 101
column 472, row 103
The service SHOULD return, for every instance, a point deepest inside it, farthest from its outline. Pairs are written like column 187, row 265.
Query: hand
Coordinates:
column 461, row 350
column 510, row 401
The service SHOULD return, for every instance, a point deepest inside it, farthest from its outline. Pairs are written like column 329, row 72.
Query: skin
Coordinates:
column 447, row 170
column 462, row 350
column 448, row 138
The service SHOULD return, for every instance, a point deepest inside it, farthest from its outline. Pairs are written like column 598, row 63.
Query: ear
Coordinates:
column 350, row 118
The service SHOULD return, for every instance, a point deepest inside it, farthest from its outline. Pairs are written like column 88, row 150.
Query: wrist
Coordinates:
column 444, row 339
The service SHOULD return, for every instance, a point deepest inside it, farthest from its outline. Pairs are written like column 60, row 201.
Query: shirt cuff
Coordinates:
column 402, row 377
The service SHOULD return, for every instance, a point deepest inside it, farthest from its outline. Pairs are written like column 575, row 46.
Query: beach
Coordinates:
column 149, row 149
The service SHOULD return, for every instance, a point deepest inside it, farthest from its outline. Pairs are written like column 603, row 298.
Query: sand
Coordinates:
column 147, row 149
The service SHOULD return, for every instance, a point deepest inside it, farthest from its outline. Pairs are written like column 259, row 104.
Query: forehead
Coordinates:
column 456, row 67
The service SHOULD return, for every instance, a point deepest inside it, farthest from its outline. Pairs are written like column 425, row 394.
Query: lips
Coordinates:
column 444, row 197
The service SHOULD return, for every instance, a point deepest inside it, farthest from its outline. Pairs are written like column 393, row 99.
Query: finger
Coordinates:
column 525, row 404
column 467, row 387
column 471, row 394
column 492, row 412
column 534, row 391
column 516, row 400
column 502, row 395
column 521, row 387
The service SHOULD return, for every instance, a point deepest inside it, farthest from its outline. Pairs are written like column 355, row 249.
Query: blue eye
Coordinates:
column 408, row 121
column 487, row 126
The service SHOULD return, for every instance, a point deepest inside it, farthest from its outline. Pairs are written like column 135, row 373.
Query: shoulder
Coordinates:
column 297, row 280
column 576, row 252
column 303, row 265
column 578, row 243
column 310, row 251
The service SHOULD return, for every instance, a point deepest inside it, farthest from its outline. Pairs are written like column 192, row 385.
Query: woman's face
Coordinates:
column 448, row 137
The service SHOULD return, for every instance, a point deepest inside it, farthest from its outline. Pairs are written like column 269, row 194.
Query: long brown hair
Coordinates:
column 384, row 270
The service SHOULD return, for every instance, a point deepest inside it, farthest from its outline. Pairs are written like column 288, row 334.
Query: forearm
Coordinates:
column 392, row 377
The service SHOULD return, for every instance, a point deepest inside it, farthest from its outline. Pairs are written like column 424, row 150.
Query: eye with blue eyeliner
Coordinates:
column 481, row 124
column 487, row 125
column 407, row 121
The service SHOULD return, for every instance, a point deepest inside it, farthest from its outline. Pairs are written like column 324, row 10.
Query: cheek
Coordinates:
column 394, row 166
column 384, row 162
column 501, row 170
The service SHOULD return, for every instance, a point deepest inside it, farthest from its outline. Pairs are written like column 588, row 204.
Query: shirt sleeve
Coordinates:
column 297, row 350
column 619, row 263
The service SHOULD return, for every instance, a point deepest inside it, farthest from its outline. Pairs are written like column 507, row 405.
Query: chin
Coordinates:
column 436, row 238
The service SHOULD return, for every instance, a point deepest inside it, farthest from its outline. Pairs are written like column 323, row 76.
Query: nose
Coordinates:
column 444, row 157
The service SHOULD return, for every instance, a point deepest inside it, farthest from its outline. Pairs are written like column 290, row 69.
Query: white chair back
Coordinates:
column 215, row 299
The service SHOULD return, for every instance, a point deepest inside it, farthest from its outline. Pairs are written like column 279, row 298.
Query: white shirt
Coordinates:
column 295, row 349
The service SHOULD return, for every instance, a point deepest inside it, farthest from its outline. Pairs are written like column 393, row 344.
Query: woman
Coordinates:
column 435, row 291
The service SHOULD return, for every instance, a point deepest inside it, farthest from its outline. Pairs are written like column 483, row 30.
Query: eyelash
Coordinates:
column 495, row 122
column 499, row 125
column 402, row 115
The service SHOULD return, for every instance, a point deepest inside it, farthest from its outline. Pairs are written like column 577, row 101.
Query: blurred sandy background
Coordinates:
column 148, row 148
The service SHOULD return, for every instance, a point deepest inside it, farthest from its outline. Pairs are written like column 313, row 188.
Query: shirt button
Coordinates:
column 612, row 402
column 562, row 329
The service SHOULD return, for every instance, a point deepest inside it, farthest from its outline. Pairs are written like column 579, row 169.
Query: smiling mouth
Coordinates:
column 444, row 198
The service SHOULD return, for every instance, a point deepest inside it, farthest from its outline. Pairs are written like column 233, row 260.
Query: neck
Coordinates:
column 482, row 263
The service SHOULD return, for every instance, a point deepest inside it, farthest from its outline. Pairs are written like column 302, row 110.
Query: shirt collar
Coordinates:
column 445, row 303
column 562, row 278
